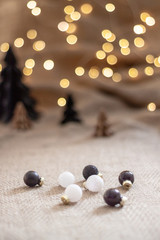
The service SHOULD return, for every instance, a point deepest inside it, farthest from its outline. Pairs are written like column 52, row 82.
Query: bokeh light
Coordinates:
column 93, row 72
column 125, row 51
column 64, row 83
column 110, row 7
column 151, row 107
column 61, row 102
column 48, row 64
column 0, row 67
column 156, row 62
column 39, row 45
column 72, row 28
column 139, row 29
column 112, row 59
column 36, row 11
column 71, row 39
column 107, row 72
column 27, row 71
column 150, row 58
column 133, row 72
column 4, row 47
column 75, row 16
column 150, row 21
column 116, row 77
column 139, row 42
column 63, row 26
column 86, row 8
column 100, row 54
column 143, row 16
column 106, row 34
column 107, row 47
column 31, row 4
column 149, row 71
column 79, row 71
column 29, row 63
column 19, row 42
column 123, row 43
column 69, row 9
column 32, row 34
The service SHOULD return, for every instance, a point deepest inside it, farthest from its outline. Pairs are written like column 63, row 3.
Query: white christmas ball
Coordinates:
column 73, row 193
column 65, row 179
column 94, row 183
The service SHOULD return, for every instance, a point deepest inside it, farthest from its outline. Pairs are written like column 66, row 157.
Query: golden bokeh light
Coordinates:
column 72, row 28
column 0, row 67
column 48, row 64
column 64, row 83
column 32, row 34
column 151, row 107
column 116, row 77
column 106, row 34
column 86, row 8
column 143, row 16
column 139, row 29
column 123, row 43
column 69, row 9
column 68, row 19
column 31, row 4
column 150, row 21
column 79, row 71
column 39, row 45
column 125, row 51
column 156, row 62
column 139, row 42
column 27, row 71
column 100, row 54
column 107, row 72
column 149, row 71
column 19, row 42
column 36, row 11
column 63, row 26
column 4, row 47
column 112, row 38
column 93, row 72
column 29, row 63
column 110, row 7
column 133, row 72
column 150, row 58
column 61, row 102
column 75, row 16
column 112, row 59
column 107, row 47
column 71, row 39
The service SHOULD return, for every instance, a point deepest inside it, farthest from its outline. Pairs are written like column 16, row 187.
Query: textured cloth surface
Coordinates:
column 37, row 213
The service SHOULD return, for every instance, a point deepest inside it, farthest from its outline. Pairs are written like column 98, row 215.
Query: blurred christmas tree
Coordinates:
column 12, row 90
column 70, row 114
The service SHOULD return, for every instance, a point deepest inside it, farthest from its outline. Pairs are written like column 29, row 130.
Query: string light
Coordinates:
column 4, row 47
column 93, row 72
column 86, row 8
column 69, row 9
column 116, row 77
column 139, row 29
column 63, row 26
column 39, row 45
column 29, row 63
column 27, row 71
column 149, row 71
column 110, row 7
column 71, row 39
column 64, row 83
column 143, row 16
column 61, row 102
column 19, row 42
column 100, row 54
column 133, row 72
column 72, row 28
column 107, row 47
column 123, row 43
column 151, row 107
column 125, row 51
column 150, row 58
column 112, row 59
column 79, row 71
column 139, row 42
column 31, row 4
column 150, row 21
column 32, row 34
column 75, row 16
column 48, row 65
column 36, row 11
column 107, row 72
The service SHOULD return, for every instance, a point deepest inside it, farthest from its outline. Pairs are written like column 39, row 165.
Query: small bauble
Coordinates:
column 113, row 197
column 73, row 193
column 65, row 179
column 94, row 183
column 32, row 179
column 126, row 179
column 90, row 170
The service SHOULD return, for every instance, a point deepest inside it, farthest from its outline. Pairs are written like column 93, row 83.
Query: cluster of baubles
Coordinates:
column 93, row 182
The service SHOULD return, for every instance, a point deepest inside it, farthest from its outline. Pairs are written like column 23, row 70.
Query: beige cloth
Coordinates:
column 37, row 213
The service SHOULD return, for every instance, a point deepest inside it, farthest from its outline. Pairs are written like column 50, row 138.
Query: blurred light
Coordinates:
column 112, row 59
column 79, row 71
column 32, row 34
column 107, row 72
column 151, row 107
column 139, row 29
column 150, row 21
column 86, row 8
column 112, row 38
column 93, row 72
column 48, row 64
column 150, row 58
column 19, row 42
column 107, row 47
column 71, row 39
column 63, row 26
column 39, row 45
column 149, row 71
column 4, row 47
column 125, row 51
column 72, row 28
column 68, row 18
column 69, row 9
column 27, row 71
column 100, row 54
column 139, row 42
column 36, row 11
column 75, row 16
column 143, row 16
column 0, row 67
column 31, row 4
column 106, row 33
column 123, row 43
column 29, row 63
column 64, row 83
column 133, row 72
column 156, row 62
column 110, row 7
column 61, row 102
column 116, row 77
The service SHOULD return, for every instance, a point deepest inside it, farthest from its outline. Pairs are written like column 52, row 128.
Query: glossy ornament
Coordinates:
column 31, row 179
column 73, row 193
column 126, row 179
column 94, row 183
column 65, row 179
column 113, row 197
column 90, row 170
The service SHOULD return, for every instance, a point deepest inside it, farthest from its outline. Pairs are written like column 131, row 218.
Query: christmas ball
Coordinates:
column 126, row 178
column 89, row 170
column 65, row 179
column 73, row 192
column 94, row 183
column 31, row 178
column 113, row 197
